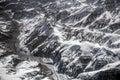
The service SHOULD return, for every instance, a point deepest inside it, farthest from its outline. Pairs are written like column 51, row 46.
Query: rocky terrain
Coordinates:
column 59, row 39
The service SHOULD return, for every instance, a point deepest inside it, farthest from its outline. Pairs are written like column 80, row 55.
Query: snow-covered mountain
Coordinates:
column 59, row 39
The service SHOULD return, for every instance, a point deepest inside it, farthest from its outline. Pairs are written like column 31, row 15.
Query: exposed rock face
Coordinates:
column 59, row 39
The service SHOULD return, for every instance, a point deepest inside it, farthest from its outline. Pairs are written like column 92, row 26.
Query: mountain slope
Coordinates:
column 65, row 39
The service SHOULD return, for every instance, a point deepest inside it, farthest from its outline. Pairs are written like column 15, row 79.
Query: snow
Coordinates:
column 106, row 15
column 45, row 78
column 84, row 40
column 29, row 9
column 19, row 71
column 29, row 25
column 107, row 67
